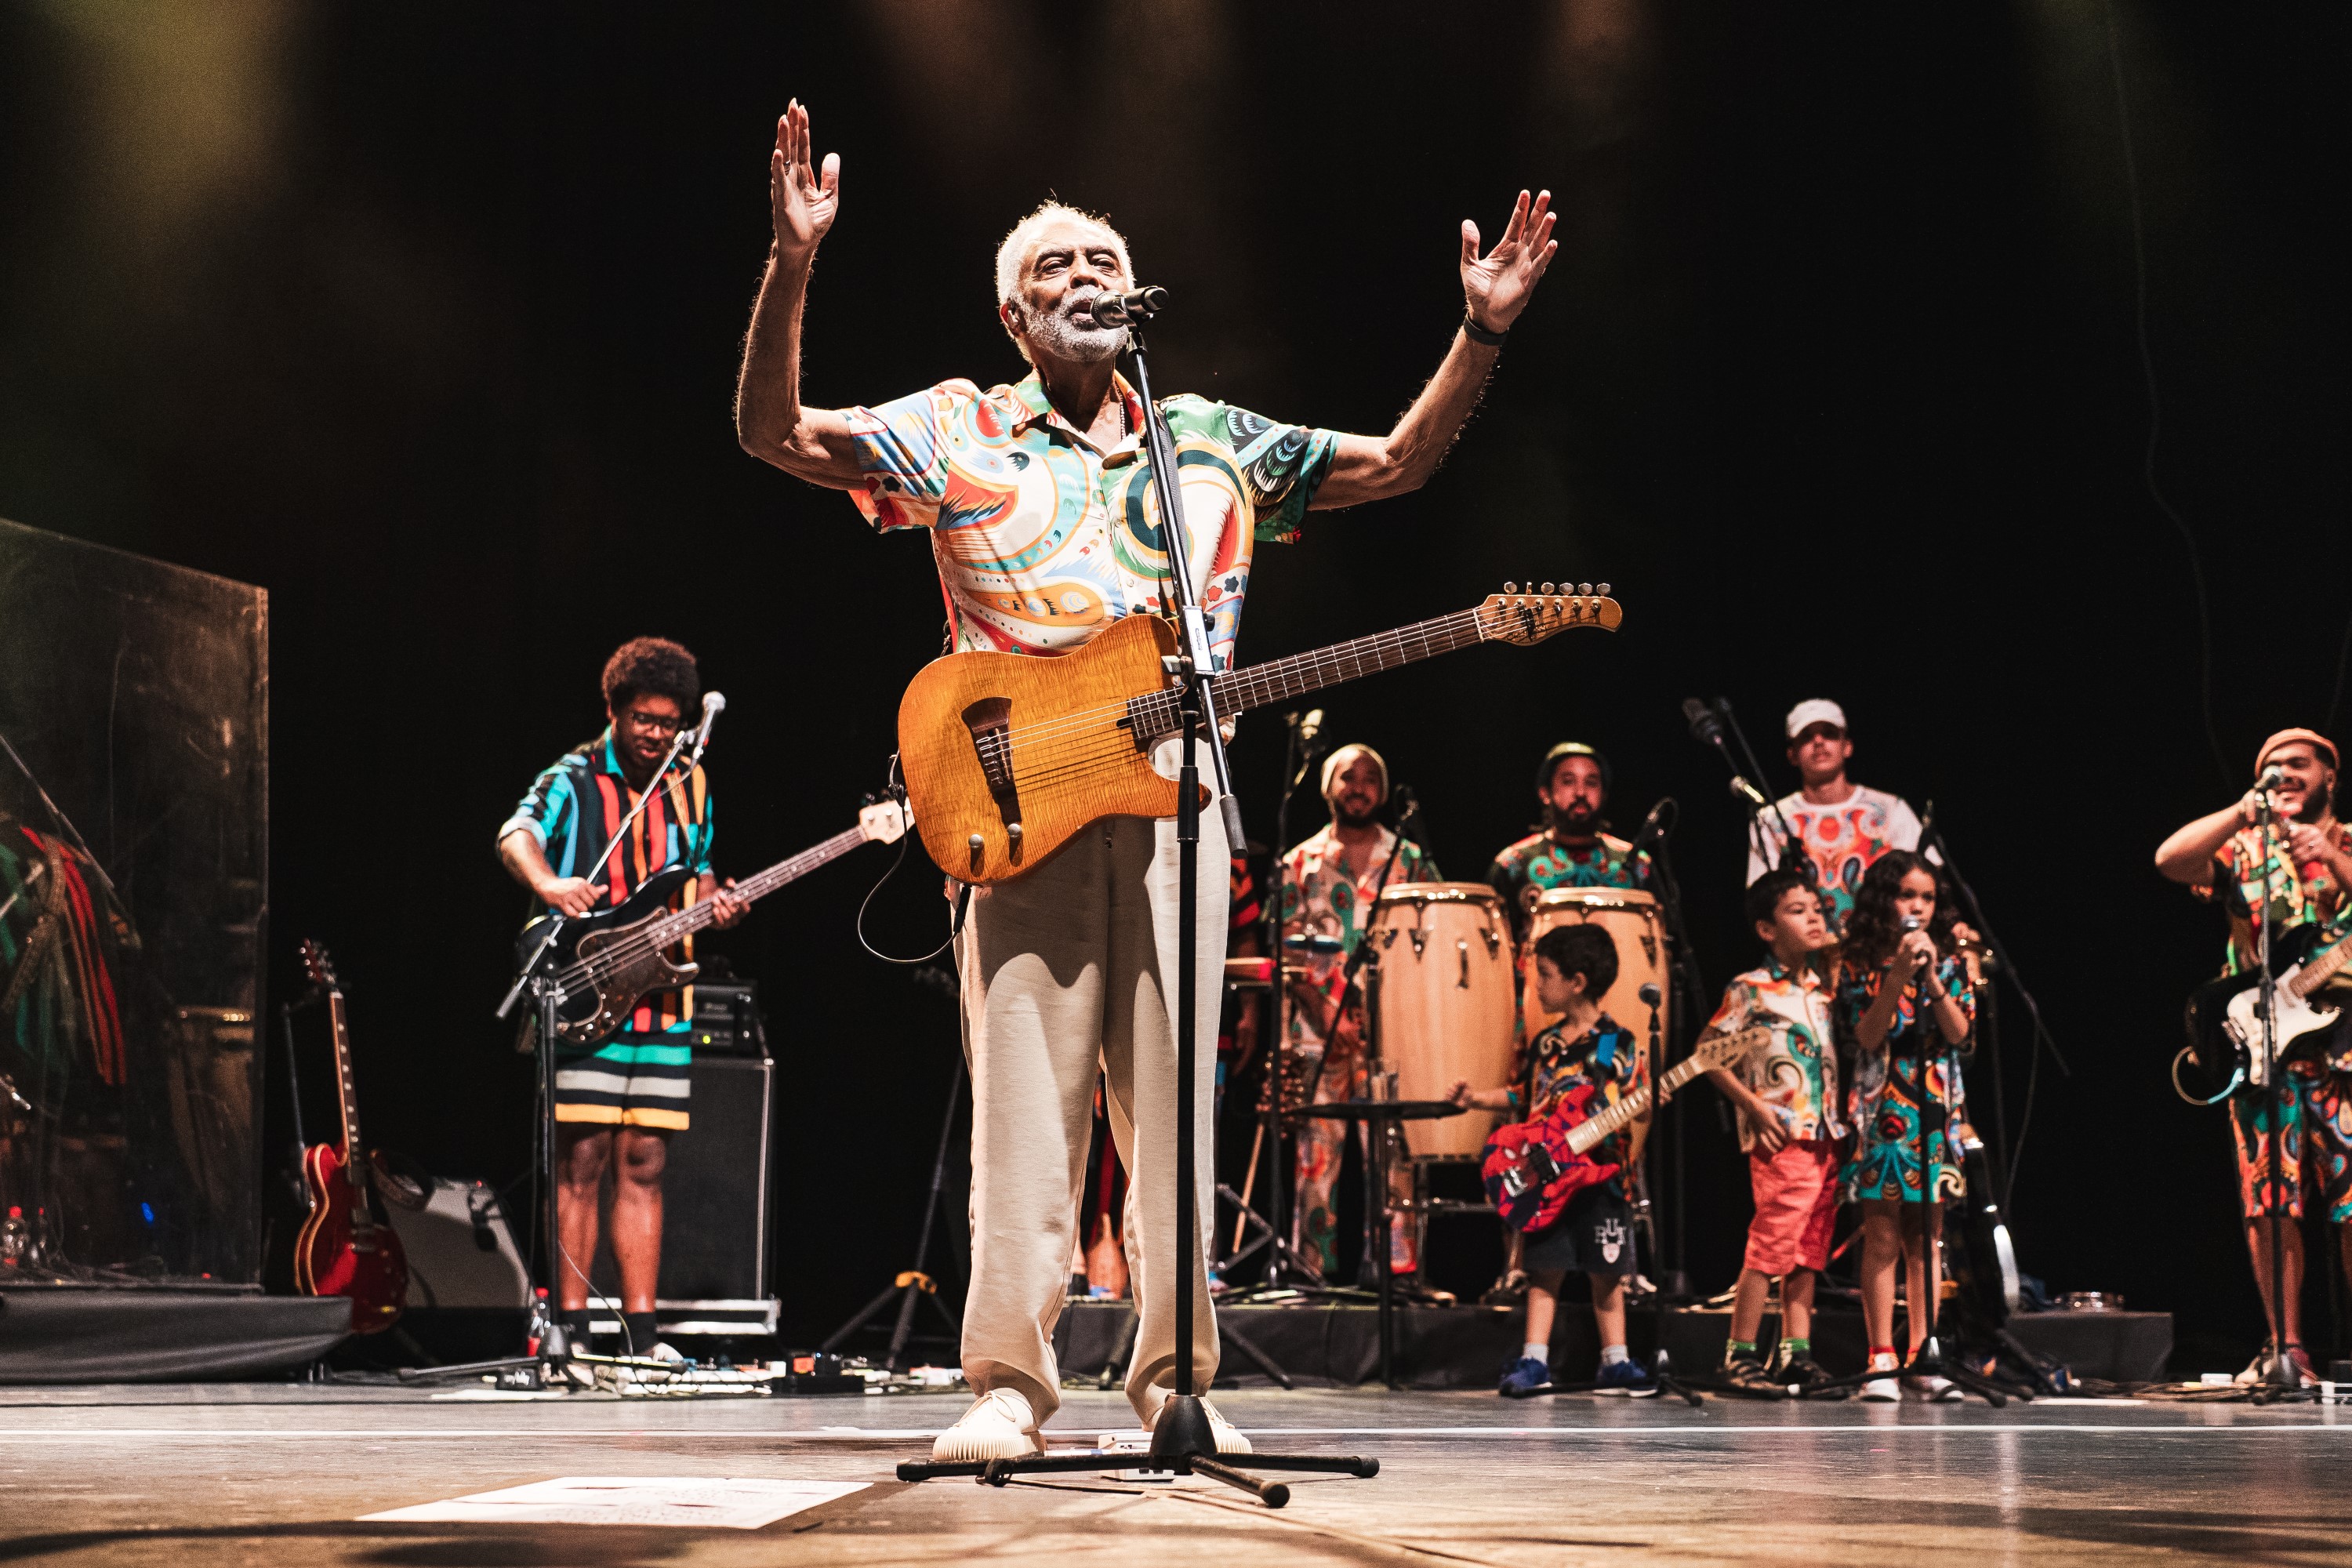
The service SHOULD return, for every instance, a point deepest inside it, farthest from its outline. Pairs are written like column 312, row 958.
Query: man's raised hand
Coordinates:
column 1496, row 287
column 802, row 196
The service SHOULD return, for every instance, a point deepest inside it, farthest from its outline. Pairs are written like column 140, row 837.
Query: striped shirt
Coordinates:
column 575, row 809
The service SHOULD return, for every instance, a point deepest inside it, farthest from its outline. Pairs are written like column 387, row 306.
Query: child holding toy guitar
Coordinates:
column 1590, row 1056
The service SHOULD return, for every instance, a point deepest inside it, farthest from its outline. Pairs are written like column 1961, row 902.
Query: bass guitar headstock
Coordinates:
column 1527, row 618
column 884, row 822
column 318, row 966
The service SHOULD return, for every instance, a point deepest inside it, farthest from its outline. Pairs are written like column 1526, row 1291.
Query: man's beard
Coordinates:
column 1579, row 822
column 1348, row 817
column 1065, row 338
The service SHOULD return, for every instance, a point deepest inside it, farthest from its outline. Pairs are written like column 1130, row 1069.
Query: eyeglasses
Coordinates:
column 653, row 724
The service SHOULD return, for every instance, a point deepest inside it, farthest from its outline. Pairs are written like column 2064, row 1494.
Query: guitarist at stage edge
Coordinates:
column 1034, row 496
column 616, row 1108
column 2222, row 856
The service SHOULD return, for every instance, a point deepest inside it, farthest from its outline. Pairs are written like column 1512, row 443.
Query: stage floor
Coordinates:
column 260, row 1473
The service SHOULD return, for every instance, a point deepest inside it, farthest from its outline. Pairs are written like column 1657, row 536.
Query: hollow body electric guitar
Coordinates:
column 2225, row 1022
column 1007, row 756
column 343, row 1250
column 1533, row 1168
column 605, row 962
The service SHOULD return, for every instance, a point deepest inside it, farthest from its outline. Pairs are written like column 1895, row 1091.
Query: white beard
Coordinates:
column 1065, row 338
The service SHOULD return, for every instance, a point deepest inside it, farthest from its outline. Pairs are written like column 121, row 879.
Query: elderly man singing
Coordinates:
column 1036, row 497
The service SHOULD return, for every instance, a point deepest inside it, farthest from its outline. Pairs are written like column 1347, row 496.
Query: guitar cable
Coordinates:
column 897, row 789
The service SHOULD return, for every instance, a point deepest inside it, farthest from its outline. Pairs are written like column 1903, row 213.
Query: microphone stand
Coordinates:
column 2278, row 1381
column 1706, row 727
column 1181, row 1438
column 1683, row 972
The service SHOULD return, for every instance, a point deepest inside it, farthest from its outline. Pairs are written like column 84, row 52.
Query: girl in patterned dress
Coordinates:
column 1906, row 1013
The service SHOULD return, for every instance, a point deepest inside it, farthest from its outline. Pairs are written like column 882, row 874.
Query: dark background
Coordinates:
column 426, row 318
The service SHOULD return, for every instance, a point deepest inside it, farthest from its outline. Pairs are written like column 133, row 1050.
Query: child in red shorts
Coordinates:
column 1787, row 1094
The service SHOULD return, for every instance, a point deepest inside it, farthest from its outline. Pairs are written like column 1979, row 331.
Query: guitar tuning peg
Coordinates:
column 1603, row 590
column 1585, row 589
column 1547, row 588
column 1510, row 587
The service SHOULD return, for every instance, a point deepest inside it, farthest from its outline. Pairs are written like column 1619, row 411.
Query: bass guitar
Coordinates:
column 1533, row 1168
column 2225, row 1024
column 1007, row 757
column 343, row 1250
column 605, row 960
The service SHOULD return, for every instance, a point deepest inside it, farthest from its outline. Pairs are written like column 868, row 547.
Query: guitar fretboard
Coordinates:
column 2321, row 969
column 1282, row 678
column 348, row 1090
column 672, row 927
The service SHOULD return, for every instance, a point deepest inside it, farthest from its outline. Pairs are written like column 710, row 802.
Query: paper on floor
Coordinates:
column 708, row 1502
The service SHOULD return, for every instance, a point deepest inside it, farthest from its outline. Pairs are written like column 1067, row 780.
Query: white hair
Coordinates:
column 1014, row 252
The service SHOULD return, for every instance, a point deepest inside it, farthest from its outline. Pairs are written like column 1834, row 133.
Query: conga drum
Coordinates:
column 1444, row 954
column 1629, row 915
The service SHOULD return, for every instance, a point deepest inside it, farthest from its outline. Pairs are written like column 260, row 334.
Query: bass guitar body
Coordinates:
column 596, row 1009
column 343, row 1250
column 2225, row 1024
column 1008, row 755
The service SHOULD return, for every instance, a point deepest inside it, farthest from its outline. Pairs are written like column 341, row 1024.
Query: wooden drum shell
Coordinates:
column 1445, row 1002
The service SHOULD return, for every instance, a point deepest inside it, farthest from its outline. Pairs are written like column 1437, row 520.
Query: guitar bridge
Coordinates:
column 990, row 720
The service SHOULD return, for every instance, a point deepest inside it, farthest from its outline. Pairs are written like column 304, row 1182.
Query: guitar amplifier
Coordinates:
column 714, row 1193
column 727, row 1019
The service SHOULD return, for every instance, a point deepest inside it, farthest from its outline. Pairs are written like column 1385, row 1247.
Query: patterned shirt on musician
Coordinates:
column 1797, row 1073
column 1842, row 840
column 1606, row 1058
column 1537, row 864
column 575, row 807
column 2298, row 894
column 1891, row 1111
column 1332, row 906
column 1042, row 538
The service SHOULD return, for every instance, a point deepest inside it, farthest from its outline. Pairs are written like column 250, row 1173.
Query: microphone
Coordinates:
column 1649, row 995
column 1310, row 726
column 1742, row 790
column 1130, row 308
column 712, row 704
column 2272, row 776
column 1408, row 803
column 1706, row 723
column 1649, row 826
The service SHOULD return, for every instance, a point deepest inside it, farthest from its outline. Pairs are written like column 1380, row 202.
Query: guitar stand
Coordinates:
column 1181, row 1438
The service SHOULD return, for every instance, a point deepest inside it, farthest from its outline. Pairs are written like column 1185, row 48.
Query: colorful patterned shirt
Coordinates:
column 1913, row 1029
column 1606, row 1058
column 1042, row 538
column 1842, row 840
column 2298, row 894
column 1797, row 1073
column 1322, row 898
column 1531, row 867
column 574, row 807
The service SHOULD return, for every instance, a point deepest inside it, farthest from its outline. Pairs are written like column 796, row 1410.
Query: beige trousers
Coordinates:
column 1068, row 968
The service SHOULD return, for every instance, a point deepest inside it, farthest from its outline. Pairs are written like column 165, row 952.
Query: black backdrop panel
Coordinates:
column 133, row 850
column 714, row 1190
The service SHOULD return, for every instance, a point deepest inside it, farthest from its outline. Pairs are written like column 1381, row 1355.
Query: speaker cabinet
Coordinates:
column 714, row 1190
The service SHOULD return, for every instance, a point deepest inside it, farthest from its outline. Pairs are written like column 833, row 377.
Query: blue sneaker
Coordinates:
column 1628, row 1377
column 1526, row 1378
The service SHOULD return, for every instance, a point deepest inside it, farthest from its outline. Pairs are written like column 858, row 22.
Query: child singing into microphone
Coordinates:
column 1905, row 1011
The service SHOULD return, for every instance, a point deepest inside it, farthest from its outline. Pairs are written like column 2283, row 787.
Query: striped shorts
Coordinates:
column 630, row 1080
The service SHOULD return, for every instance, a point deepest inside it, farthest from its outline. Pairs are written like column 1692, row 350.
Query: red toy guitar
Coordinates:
column 1533, row 1168
column 344, row 1251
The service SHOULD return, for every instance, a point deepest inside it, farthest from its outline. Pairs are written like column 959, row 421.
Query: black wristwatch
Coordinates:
column 1480, row 335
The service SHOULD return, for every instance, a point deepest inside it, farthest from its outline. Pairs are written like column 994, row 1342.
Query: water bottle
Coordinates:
column 16, row 1241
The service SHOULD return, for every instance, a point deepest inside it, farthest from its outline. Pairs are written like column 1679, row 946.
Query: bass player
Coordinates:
column 1036, row 498
column 615, row 1107
column 2222, row 856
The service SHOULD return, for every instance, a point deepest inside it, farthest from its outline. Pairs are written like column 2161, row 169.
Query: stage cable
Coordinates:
column 2154, row 406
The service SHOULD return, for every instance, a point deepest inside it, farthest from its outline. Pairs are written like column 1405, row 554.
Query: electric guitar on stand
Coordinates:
column 344, row 1248
column 1008, row 756
column 1533, row 1168
column 604, row 960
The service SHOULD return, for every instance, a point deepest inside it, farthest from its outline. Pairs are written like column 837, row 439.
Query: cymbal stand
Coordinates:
column 1182, row 1437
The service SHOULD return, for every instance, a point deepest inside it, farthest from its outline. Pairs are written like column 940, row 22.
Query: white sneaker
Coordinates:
column 998, row 1426
column 1229, row 1438
column 1884, row 1390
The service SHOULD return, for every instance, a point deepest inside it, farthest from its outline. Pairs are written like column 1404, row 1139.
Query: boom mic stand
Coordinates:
column 1708, row 722
column 1683, row 973
column 1182, row 1437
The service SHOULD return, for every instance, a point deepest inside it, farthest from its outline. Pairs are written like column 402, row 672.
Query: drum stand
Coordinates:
column 1182, row 1437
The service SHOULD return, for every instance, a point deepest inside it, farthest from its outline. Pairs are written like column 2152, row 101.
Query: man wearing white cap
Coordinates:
column 1330, row 886
column 1842, row 826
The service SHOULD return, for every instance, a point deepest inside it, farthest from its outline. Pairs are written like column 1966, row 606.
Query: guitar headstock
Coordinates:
column 884, row 822
column 1722, row 1051
column 1527, row 618
column 318, row 966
